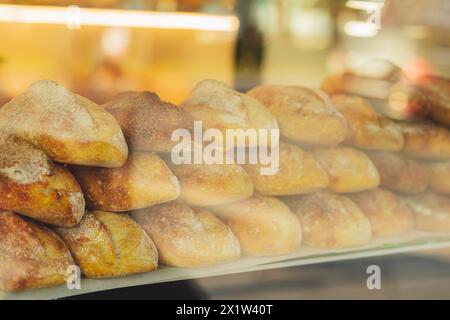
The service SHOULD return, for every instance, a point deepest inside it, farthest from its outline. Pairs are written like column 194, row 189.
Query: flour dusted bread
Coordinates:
column 330, row 221
column 387, row 214
column 298, row 173
column 399, row 173
column 348, row 169
column 31, row 185
column 438, row 93
column 367, row 129
column 144, row 180
column 265, row 226
column 31, row 255
column 107, row 244
column 188, row 237
column 304, row 115
column 220, row 107
column 212, row 184
column 146, row 121
column 431, row 211
column 439, row 176
column 426, row 141
column 68, row 127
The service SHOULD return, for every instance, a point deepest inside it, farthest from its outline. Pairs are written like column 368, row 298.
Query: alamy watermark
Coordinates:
column 374, row 280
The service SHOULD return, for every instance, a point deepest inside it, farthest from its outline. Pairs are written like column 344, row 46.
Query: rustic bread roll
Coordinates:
column 438, row 93
column 439, row 176
column 146, row 121
column 298, row 173
column 367, row 129
column 426, row 141
column 212, row 184
column 399, row 173
column 304, row 115
column 31, row 255
column 348, row 169
column 107, row 244
column 220, row 107
column 431, row 211
column 264, row 225
column 68, row 127
column 31, row 185
column 330, row 221
column 145, row 180
column 387, row 215
column 188, row 237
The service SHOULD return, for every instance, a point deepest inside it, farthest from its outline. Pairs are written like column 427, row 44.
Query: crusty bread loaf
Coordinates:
column 367, row 129
column 348, row 169
column 220, row 107
column 426, row 141
column 387, row 215
column 432, row 211
column 31, row 255
column 304, row 115
column 212, row 184
column 438, row 176
column 264, row 225
column 298, row 173
column 438, row 93
column 188, row 237
column 399, row 173
column 330, row 221
column 31, row 185
column 145, row 180
column 146, row 121
column 107, row 244
column 68, row 127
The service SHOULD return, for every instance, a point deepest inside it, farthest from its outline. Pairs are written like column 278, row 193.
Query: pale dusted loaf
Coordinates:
column 298, row 173
column 330, row 221
column 348, row 169
column 68, row 127
column 388, row 216
column 188, row 237
column 265, row 226
column 31, row 185
column 145, row 180
column 107, row 244
column 304, row 115
column 426, row 141
column 439, row 176
column 31, row 255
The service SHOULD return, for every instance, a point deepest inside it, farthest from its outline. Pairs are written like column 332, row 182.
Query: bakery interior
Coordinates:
column 100, row 48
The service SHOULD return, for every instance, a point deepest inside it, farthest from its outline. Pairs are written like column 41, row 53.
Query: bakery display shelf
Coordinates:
column 413, row 241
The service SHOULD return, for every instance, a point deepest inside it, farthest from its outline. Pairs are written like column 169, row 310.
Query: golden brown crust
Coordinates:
column 426, row 141
column 31, row 255
column 212, row 184
column 431, row 211
column 265, row 226
column 304, row 115
column 108, row 244
column 145, row 180
column 367, row 129
column 148, row 122
column 31, row 185
column 348, row 169
column 68, row 127
column 388, row 216
column 330, row 221
column 399, row 173
column 298, row 173
column 438, row 93
column 188, row 237
column 439, row 176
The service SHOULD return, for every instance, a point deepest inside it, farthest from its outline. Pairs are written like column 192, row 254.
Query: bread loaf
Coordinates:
column 438, row 93
column 31, row 185
column 31, row 255
column 439, row 176
column 426, row 141
column 68, row 127
column 188, row 237
column 145, row 180
column 264, row 225
column 107, row 244
column 304, row 115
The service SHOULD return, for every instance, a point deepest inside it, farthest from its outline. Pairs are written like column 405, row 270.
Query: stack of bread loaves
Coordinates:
column 97, row 186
